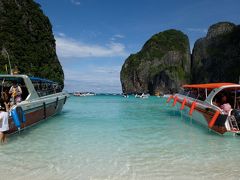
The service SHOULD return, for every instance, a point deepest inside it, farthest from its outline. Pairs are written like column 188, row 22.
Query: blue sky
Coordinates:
column 94, row 37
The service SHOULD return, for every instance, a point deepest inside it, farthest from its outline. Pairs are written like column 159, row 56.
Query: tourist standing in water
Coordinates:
column 4, row 107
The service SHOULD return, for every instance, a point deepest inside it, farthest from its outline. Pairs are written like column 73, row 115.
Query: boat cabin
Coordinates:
column 45, row 87
column 215, row 94
column 32, row 87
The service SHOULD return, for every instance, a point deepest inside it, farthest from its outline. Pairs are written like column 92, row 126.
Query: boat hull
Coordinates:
column 203, row 114
column 39, row 110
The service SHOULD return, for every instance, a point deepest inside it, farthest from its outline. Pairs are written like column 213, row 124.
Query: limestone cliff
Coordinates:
column 26, row 34
column 162, row 65
column 216, row 57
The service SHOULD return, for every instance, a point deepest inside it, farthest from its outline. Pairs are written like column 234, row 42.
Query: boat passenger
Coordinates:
column 16, row 93
column 194, row 93
column 5, row 99
column 225, row 106
column 224, row 99
column 4, row 96
column 201, row 95
column 3, row 120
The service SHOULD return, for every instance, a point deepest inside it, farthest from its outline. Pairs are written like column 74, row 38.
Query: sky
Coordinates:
column 94, row 37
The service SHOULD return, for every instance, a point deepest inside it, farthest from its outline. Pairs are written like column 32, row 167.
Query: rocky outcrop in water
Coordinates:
column 26, row 35
column 162, row 65
column 216, row 57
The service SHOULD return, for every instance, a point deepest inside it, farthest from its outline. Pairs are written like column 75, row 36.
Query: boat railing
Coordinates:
column 233, row 123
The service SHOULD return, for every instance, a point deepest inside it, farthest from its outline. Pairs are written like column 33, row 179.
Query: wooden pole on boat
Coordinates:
column 9, row 62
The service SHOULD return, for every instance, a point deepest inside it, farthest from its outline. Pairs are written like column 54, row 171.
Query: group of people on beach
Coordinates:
column 5, row 104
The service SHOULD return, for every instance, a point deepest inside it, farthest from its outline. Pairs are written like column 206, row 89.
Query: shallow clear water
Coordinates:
column 110, row 137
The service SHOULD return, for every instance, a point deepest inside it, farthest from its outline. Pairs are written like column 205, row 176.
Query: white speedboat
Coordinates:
column 143, row 96
column 41, row 98
column 77, row 93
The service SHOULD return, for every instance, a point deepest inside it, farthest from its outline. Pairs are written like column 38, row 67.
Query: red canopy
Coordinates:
column 207, row 86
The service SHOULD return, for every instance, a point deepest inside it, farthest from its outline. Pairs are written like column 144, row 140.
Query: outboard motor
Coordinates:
column 236, row 114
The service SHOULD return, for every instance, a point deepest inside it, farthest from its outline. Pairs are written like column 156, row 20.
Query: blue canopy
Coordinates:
column 41, row 80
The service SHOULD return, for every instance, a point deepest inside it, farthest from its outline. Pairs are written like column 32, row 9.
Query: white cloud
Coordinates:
column 70, row 48
column 117, row 36
column 199, row 30
column 97, row 79
column 110, row 70
column 76, row 2
column 61, row 34
column 94, row 74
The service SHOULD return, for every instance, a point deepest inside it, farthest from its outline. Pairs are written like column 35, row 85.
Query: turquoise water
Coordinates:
column 110, row 137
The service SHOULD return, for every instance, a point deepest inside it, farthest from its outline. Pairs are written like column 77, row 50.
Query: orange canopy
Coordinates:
column 207, row 86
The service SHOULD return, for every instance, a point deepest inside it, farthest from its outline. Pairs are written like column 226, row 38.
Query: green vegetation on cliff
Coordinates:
column 216, row 58
column 26, row 34
column 162, row 64
column 170, row 40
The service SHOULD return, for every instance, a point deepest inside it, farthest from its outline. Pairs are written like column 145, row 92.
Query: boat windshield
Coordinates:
column 7, row 82
column 45, row 87
column 196, row 93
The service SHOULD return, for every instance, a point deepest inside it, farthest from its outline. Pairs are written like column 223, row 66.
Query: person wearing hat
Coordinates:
column 3, row 119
